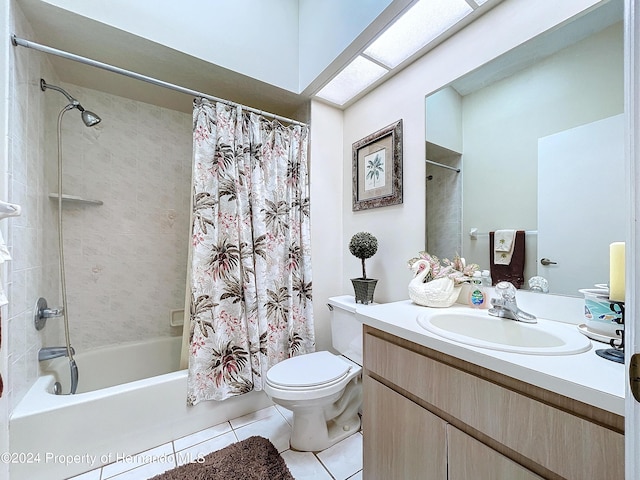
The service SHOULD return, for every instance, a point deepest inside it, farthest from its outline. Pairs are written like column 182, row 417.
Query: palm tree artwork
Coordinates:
column 374, row 170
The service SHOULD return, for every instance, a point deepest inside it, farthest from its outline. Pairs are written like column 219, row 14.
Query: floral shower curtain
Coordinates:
column 250, row 272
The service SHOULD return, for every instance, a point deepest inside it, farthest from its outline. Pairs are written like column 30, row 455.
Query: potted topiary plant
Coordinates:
column 363, row 245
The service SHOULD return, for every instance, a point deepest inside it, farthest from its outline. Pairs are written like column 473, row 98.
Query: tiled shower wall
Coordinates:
column 31, row 272
column 444, row 208
column 125, row 259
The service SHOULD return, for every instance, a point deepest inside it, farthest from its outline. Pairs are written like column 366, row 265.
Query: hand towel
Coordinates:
column 4, row 251
column 4, row 256
column 503, row 246
column 3, row 297
column 514, row 271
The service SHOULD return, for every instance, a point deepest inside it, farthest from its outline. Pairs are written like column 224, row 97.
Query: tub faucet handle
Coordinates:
column 52, row 312
column 42, row 312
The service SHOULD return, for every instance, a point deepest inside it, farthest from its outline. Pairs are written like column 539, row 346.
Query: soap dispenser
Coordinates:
column 477, row 293
column 486, row 278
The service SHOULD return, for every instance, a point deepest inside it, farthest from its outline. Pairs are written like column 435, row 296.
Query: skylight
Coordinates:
column 355, row 77
column 424, row 22
column 417, row 27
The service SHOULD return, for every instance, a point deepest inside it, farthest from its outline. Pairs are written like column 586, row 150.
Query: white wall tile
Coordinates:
column 128, row 256
column 27, row 276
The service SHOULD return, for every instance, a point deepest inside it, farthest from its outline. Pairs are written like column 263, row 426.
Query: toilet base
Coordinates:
column 312, row 432
column 315, row 434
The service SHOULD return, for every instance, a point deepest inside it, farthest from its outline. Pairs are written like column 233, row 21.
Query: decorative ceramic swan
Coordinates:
column 441, row 292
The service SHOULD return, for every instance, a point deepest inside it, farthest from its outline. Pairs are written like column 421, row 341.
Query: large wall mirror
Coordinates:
column 533, row 141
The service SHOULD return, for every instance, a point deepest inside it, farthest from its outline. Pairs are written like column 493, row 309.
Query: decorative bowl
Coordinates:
column 601, row 315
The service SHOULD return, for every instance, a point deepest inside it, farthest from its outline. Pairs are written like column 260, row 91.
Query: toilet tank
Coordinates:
column 346, row 330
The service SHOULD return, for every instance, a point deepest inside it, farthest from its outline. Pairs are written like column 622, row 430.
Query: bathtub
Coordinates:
column 131, row 397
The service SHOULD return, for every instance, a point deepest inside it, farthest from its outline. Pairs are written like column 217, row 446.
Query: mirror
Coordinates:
column 499, row 126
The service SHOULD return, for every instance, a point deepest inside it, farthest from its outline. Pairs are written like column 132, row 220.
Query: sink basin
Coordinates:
column 482, row 330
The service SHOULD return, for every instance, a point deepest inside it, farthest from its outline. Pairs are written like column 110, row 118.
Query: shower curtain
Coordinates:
column 250, row 258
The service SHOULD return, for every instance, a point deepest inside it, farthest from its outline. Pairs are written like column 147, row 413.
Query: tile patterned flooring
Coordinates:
column 340, row 462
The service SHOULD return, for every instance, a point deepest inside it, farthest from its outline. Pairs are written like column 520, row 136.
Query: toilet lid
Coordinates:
column 308, row 370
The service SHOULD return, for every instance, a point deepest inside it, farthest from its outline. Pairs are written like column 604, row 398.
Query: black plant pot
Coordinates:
column 364, row 288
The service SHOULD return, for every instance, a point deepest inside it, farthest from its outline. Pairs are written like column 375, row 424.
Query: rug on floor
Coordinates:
column 252, row 459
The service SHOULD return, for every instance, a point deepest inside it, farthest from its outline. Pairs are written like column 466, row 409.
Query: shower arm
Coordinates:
column 89, row 118
column 72, row 101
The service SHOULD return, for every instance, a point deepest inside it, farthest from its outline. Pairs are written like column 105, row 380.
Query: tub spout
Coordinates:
column 48, row 353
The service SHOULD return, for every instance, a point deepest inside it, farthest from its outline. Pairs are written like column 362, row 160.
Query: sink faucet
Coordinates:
column 48, row 353
column 505, row 305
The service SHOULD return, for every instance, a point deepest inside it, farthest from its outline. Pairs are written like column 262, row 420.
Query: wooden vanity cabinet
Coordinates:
column 469, row 459
column 397, row 446
column 427, row 415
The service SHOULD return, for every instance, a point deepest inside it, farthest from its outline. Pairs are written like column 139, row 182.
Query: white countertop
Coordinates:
column 585, row 376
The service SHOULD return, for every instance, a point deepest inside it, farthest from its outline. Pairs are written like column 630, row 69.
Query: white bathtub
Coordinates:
column 130, row 398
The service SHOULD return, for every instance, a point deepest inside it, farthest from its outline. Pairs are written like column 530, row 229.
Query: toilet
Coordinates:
column 323, row 390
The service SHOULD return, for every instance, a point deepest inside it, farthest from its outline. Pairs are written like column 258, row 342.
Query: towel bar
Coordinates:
column 474, row 234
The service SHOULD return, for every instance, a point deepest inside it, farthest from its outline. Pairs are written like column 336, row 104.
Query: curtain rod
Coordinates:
column 16, row 41
column 443, row 166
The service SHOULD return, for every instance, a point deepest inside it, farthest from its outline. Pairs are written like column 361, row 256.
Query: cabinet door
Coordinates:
column 471, row 460
column 401, row 439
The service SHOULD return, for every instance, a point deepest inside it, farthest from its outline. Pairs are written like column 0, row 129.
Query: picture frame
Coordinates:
column 377, row 168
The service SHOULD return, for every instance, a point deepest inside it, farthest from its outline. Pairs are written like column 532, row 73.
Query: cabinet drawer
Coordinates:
column 570, row 446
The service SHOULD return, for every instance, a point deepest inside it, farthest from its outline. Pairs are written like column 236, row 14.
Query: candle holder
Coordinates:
column 616, row 352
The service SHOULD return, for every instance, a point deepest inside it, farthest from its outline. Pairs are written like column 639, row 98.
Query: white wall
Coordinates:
column 286, row 43
column 443, row 111
column 252, row 37
column 326, row 212
column 400, row 229
column 503, row 122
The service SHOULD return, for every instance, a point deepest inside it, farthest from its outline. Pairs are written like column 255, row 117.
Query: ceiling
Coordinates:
column 63, row 30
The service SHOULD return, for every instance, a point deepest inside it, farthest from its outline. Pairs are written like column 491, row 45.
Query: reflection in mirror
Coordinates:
column 510, row 123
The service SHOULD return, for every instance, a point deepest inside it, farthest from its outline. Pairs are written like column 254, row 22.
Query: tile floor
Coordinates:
column 340, row 462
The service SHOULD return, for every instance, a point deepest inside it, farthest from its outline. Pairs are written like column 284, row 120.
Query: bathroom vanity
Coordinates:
column 436, row 409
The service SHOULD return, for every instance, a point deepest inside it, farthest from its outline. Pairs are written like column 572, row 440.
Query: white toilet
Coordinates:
column 323, row 390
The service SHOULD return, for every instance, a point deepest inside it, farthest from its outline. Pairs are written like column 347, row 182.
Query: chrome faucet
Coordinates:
column 48, row 353
column 505, row 305
column 42, row 313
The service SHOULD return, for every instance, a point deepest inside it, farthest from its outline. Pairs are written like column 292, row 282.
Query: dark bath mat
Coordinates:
column 252, row 459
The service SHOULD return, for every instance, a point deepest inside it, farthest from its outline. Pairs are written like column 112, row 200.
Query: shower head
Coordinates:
column 89, row 118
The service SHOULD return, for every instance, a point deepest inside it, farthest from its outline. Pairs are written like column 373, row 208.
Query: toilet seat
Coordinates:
column 308, row 372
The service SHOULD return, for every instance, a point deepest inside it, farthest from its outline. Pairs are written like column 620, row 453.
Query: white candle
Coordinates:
column 616, row 271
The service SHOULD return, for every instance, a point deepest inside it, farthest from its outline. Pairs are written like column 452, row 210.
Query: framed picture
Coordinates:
column 377, row 168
